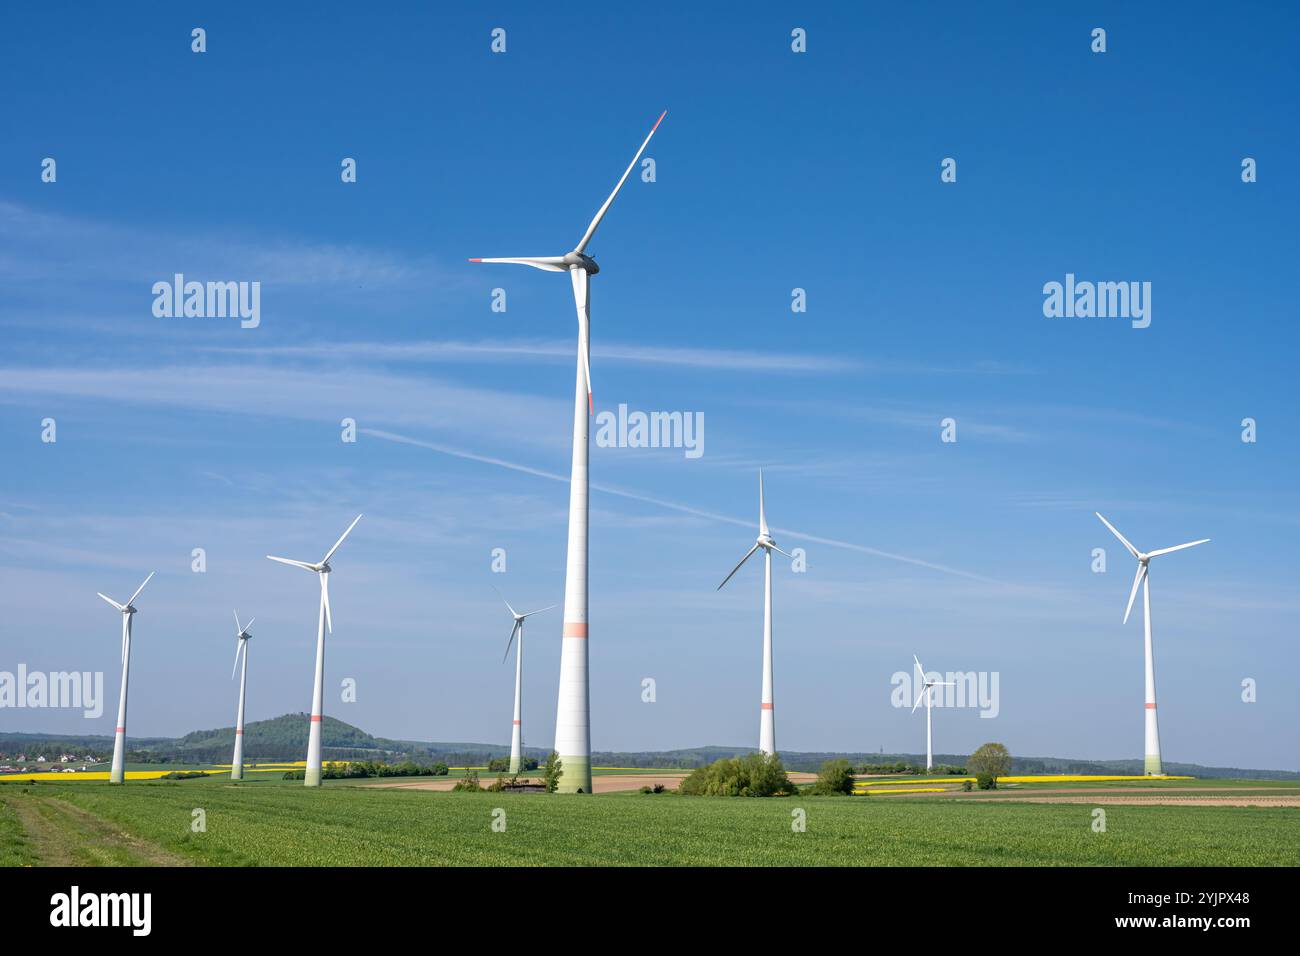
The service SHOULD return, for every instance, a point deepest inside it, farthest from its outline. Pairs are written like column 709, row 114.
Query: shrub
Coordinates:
column 551, row 775
column 657, row 788
column 498, row 765
column 967, row 785
column 439, row 769
column 835, row 779
column 528, row 763
column 987, row 781
column 468, row 782
column 295, row 775
column 754, row 775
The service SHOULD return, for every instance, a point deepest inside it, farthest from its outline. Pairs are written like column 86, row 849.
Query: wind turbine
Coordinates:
column 1152, row 764
column 117, row 774
column 573, row 709
column 516, row 734
column 242, row 636
column 766, row 718
column 322, row 569
column 927, row 684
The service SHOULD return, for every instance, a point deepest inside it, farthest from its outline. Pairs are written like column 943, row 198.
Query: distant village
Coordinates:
column 43, row 763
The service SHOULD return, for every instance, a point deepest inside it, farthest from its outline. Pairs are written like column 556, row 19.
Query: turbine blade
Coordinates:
column 549, row 607
column 297, row 564
column 919, row 667
column 330, row 553
column 786, row 553
column 325, row 599
column 140, row 588
column 238, row 630
column 1137, row 579
column 600, row 213
column 762, row 511
column 1178, row 547
column 1123, row 540
column 918, row 698
column 248, row 625
column 120, row 607
column 503, row 599
column 582, row 300
column 239, row 644
column 513, row 631
column 747, row 556
column 545, row 263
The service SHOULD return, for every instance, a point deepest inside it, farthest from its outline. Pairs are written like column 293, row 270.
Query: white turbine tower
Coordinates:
column 573, row 709
column 516, row 733
column 324, row 620
column 242, row 636
column 927, row 685
column 117, row 774
column 1152, row 764
column 766, row 718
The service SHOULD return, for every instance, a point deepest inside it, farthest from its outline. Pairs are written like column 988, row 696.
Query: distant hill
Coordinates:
column 285, row 738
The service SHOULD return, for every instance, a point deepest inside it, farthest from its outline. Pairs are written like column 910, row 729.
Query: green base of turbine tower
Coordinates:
column 575, row 775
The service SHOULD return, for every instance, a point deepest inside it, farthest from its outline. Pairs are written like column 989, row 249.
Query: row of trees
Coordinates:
column 902, row 767
column 374, row 768
column 762, row 775
column 502, row 764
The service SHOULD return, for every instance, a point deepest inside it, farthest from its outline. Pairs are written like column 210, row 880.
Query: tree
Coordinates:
column 552, row 773
column 753, row 775
column 991, row 761
column 835, row 779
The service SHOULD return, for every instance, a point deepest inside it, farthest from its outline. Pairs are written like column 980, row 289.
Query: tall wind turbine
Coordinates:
column 927, row 685
column 766, row 718
column 322, row 569
column 573, row 710
column 516, row 734
column 242, row 636
column 1152, row 764
column 117, row 774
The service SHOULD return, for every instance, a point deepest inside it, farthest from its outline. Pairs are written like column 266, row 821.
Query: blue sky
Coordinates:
column 774, row 170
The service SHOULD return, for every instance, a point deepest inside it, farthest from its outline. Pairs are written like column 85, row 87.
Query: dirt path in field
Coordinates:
column 600, row 783
column 609, row 783
column 65, row 835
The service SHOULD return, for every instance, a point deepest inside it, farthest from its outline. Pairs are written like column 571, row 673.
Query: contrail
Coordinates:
column 673, row 505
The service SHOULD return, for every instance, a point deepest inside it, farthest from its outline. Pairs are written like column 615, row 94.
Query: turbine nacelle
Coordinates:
column 1143, row 560
column 129, row 606
column 580, row 260
column 519, row 620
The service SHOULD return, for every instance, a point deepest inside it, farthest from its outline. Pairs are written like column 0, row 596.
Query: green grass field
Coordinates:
column 150, row 823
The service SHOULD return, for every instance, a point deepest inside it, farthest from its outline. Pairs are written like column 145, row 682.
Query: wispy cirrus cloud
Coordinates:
column 38, row 246
column 676, row 506
column 293, row 393
column 554, row 350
